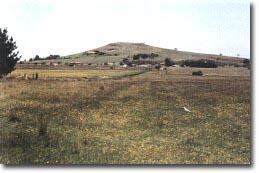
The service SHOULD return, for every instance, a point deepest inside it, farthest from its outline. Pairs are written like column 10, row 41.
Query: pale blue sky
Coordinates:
column 65, row 27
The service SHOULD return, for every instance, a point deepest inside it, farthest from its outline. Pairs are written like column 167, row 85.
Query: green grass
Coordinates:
column 137, row 120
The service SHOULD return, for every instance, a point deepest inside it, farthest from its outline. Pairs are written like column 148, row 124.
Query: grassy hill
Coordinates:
column 115, row 52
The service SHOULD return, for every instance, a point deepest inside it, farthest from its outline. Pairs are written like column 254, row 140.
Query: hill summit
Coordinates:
column 115, row 52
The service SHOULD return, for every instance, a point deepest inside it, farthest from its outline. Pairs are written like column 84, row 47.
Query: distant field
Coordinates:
column 220, row 71
column 136, row 120
column 72, row 73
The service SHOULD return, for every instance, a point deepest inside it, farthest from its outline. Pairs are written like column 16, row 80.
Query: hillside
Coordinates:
column 115, row 52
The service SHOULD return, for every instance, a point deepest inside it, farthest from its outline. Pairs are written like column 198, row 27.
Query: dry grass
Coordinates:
column 129, row 121
column 72, row 73
column 124, row 49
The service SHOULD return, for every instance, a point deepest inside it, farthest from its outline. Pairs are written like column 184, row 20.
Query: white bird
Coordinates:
column 186, row 110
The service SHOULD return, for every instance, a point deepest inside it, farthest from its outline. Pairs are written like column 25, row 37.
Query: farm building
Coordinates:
column 54, row 64
column 91, row 52
column 73, row 64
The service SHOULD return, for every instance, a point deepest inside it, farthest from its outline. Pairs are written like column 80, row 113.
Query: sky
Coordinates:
column 63, row 27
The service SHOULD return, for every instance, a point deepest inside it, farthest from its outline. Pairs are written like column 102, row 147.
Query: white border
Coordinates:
column 200, row 169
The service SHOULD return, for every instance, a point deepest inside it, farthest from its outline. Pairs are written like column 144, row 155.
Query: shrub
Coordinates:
column 53, row 57
column 153, row 55
column 144, row 56
column 101, row 87
column 135, row 57
column 169, row 62
column 246, row 63
column 14, row 118
column 197, row 73
column 157, row 66
column 200, row 63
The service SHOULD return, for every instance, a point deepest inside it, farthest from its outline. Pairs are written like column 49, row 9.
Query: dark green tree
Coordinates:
column 37, row 57
column 8, row 54
column 246, row 61
column 169, row 62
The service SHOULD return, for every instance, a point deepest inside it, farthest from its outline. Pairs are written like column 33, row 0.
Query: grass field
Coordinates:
column 73, row 73
column 135, row 120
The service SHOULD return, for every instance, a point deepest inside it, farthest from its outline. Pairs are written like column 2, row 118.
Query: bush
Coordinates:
column 169, row 62
column 197, row 73
column 53, row 57
column 101, row 87
column 43, row 126
column 200, row 63
column 144, row 56
column 158, row 66
column 135, row 57
column 246, row 63
column 153, row 55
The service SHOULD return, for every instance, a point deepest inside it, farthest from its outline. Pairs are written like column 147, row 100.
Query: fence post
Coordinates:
column 37, row 76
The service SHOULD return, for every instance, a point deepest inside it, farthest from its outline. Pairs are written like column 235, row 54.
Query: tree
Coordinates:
column 153, row 55
column 246, row 63
column 200, row 63
column 135, row 57
column 37, row 57
column 169, row 62
column 8, row 54
column 54, row 57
